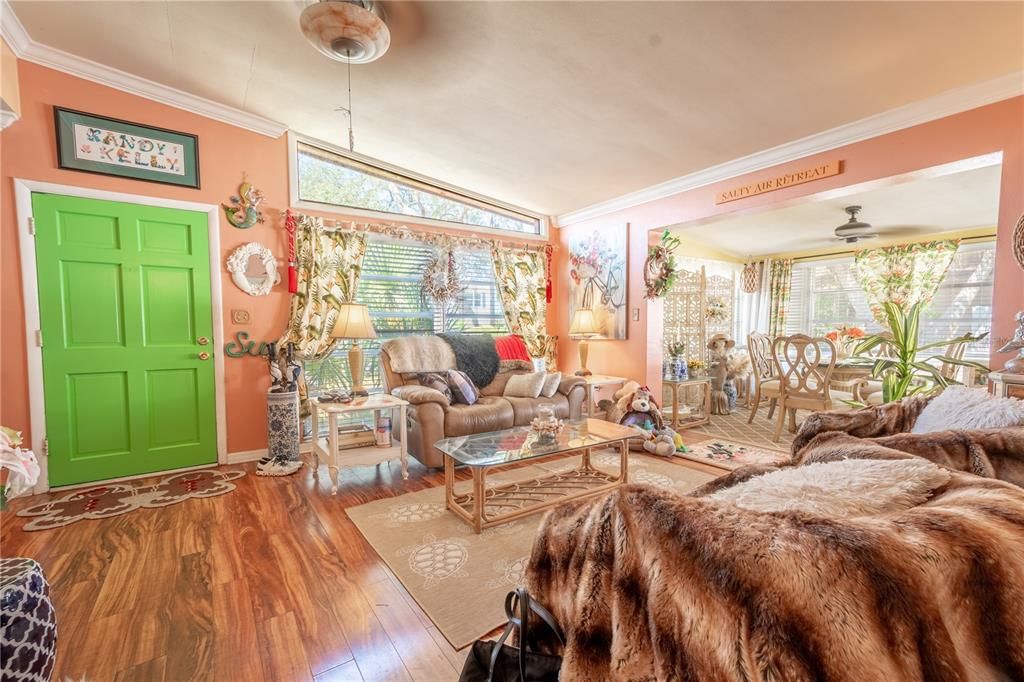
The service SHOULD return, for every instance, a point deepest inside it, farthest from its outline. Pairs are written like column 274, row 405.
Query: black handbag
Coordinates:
column 497, row 662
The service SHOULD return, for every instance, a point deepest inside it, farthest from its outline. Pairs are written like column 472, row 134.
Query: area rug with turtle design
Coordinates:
column 460, row 578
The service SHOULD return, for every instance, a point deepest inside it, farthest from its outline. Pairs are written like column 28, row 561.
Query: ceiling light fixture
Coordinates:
column 854, row 230
column 346, row 30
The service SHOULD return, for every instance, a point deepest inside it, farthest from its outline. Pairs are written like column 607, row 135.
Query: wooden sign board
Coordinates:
column 822, row 170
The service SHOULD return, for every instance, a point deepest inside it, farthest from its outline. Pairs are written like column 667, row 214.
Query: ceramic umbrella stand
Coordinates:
column 282, row 435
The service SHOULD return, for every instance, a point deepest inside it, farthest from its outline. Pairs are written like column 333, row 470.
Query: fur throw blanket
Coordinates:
column 650, row 585
column 476, row 355
column 411, row 354
column 867, row 422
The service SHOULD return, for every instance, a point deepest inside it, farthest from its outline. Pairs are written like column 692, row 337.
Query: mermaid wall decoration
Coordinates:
column 244, row 210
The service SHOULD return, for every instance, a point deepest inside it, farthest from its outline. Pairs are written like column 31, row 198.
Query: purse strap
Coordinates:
column 521, row 597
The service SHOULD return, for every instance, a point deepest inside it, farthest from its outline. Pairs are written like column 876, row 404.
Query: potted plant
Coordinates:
column 676, row 364
column 904, row 373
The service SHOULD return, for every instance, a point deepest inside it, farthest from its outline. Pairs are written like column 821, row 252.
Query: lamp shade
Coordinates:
column 353, row 323
column 584, row 322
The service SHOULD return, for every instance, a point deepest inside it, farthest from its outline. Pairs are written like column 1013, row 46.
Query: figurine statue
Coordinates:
column 244, row 211
column 1015, row 365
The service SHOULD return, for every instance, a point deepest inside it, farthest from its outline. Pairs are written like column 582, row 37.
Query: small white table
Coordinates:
column 598, row 381
column 376, row 403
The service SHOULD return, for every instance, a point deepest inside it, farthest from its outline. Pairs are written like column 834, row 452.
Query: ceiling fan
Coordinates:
column 351, row 31
column 853, row 230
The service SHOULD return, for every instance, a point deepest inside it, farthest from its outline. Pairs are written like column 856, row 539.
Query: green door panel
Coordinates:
column 124, row 297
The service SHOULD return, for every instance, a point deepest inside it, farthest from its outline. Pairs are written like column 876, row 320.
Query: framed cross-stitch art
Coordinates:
column 110, row 146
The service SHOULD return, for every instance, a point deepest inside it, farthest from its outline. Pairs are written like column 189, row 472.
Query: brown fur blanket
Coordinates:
column 650, row 585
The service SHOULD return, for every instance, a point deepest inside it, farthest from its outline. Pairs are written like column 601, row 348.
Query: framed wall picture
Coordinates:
column 109, row 146
column 597, row 281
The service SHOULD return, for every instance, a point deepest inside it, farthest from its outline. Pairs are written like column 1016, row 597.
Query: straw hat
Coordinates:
column 729, row 343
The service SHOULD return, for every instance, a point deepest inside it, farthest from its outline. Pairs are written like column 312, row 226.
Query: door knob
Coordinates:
column 202, row 340
column 204, row 355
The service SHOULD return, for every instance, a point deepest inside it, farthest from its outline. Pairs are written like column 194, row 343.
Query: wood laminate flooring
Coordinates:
column 270, row 582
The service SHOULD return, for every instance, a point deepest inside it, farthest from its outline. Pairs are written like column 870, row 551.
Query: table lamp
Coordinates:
column 584, row 325
column 354, row 323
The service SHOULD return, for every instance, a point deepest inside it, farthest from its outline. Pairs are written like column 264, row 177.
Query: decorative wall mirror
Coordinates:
column 253, row 269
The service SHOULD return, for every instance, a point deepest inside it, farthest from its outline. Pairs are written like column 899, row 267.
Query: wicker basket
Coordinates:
column 1018, row 241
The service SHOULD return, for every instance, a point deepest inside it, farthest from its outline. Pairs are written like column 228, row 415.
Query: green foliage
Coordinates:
column 903, row 374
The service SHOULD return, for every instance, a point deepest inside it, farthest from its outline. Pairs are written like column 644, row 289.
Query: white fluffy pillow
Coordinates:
column 959, row 407
column 852, row 487
column 551, row 382
column 524, row 385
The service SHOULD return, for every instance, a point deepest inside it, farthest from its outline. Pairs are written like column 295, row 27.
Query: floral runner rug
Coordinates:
column 113, row 499
column 727, row 454
column 460, row 578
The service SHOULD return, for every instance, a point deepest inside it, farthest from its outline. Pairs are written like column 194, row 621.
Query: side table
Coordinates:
column 704, row 417
column 598, row 381
column 1007, row 385
column 328, row 447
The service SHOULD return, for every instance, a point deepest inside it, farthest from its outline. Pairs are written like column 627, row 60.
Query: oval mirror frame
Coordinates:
column 238, row 264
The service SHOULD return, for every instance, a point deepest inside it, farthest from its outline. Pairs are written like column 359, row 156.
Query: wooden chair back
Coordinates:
column 760, row 348
column 805, row 365
column 948, row 369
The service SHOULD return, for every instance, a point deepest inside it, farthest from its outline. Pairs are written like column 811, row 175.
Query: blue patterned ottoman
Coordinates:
column 28, row 625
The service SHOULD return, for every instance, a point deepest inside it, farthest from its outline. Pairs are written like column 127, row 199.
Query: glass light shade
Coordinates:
column 583, row 322
column 345, row 31
column 353, row 323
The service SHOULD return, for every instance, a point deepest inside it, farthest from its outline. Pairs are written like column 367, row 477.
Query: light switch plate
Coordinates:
column 240, row 316
column 636, row 314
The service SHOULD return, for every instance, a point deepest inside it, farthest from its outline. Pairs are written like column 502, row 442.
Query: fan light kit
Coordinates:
column 853, row 230
column 346, row 30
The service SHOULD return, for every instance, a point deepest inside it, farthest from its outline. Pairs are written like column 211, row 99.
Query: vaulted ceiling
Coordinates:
column 557, row 105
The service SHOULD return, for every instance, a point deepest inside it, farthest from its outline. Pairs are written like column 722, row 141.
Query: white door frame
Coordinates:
column 23, row 190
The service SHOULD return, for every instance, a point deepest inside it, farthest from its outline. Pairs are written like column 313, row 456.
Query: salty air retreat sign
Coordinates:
column 822, row 170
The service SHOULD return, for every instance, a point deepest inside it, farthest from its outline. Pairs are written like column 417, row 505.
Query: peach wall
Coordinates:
column 993, row 128
column 28, row 151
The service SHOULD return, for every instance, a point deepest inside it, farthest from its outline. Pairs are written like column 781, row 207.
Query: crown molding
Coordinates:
column 24, row 47
column 936, row 107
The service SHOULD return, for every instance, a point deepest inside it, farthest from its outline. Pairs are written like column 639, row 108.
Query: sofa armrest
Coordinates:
column 418, row 395
column 867, row 422
column 569, row 382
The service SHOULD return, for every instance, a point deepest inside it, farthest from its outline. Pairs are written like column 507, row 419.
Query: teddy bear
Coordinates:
column 662, row 442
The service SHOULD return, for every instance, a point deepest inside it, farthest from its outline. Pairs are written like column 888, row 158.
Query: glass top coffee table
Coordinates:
column 498, row 451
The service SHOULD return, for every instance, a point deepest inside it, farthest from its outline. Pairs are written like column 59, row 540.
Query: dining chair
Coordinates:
column 804, row 365
column 766, row 378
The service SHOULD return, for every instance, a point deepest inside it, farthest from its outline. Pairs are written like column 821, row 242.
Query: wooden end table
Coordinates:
column 372, row 454
column 598, row 381
column 704, row 417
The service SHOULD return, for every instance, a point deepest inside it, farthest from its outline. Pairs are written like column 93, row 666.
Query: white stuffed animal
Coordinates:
column 662, row 443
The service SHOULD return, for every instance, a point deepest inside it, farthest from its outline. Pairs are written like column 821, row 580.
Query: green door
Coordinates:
column 124, row 298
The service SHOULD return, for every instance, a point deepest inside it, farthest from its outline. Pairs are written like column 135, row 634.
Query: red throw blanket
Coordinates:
column 650, row 585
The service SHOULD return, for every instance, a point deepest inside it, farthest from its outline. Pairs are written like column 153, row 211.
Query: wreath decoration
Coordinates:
column 1018, row 241
column 441, row 280
column 660, row 266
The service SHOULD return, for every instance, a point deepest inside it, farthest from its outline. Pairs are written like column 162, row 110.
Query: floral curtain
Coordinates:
column 329, row 264
column 522, row 283
column 780, row 280
column 903, row 274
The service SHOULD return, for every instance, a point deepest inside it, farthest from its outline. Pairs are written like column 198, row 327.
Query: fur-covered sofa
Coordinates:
column 433, row 417
column 648, row 584
column 876, row 432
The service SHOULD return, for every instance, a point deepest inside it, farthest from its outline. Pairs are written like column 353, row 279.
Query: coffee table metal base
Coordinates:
column 485, row 507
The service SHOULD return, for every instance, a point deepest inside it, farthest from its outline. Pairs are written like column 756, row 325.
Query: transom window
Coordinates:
column 825, row 294
column 390, row 288
column 325, row 177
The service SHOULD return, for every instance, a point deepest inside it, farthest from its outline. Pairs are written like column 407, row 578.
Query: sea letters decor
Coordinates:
column 109, row 146
column 242, row 346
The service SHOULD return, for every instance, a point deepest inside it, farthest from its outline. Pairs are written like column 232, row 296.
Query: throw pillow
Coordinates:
column 436, row 381
column 511, row 347
column 960, row 407
column 524, row 385
column 551, row 383
column 852, row 487
column 462, row 388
